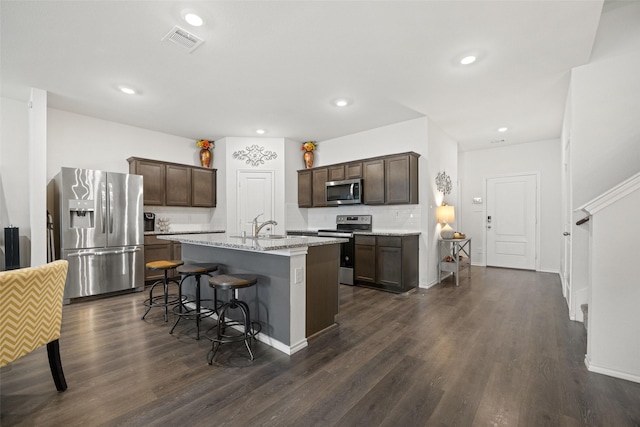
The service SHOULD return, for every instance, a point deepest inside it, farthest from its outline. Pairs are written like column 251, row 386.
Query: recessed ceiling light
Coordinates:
column 193, row 19
column 503, row 129
column 341, row 102
column 470, row 59
column 127, row 90
column 260, row 131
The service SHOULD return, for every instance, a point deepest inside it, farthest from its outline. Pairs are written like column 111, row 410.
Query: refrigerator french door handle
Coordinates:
column 103, row 207
column 110, row 208
column 112, row 252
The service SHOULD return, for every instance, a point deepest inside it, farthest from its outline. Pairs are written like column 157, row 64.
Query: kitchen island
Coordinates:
column 297, row 291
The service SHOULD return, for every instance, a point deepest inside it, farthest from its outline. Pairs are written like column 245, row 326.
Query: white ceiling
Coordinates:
column 278, row 64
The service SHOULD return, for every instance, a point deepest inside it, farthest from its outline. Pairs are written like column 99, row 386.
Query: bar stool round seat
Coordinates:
column 165, row 300
column 247, row 328
column 194, row 311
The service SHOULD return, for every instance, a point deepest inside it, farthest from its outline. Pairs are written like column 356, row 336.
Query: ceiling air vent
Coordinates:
column 183, row 38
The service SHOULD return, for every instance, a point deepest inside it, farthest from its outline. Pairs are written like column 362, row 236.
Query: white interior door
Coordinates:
column 511, row 221
column 567, row 215
column 255, row 196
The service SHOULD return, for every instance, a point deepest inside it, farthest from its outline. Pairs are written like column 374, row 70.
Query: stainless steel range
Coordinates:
column 345, row 227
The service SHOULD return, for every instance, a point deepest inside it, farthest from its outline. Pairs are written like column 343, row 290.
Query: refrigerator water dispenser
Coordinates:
column 81, row 213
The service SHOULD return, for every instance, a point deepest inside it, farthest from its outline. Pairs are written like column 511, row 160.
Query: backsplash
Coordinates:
column 385, row 218
column 186, row 219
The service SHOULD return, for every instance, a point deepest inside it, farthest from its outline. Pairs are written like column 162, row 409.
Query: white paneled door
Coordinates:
column 511, row 221
column 567, row 217
column 255, row 196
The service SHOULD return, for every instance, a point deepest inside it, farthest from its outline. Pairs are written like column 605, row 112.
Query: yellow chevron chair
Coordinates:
column 31, row 314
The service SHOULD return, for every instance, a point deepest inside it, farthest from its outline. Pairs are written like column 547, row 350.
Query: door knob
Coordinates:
column 566, row 233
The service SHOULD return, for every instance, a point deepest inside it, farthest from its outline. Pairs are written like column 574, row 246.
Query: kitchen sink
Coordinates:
column 266, row 237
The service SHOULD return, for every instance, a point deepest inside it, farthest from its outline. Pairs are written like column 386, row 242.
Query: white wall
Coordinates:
column 79, row 141
column 543, row 157
column 603, row 125
column 38, row 147
column 605, row 108
column 14, row 175
column 613, row 341
column 296, row 218
column 443, row 157
column 234, row 165
column 606, row 130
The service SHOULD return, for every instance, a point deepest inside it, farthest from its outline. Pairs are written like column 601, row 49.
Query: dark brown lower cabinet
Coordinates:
column 365, row 260
column 322, row 301
column 387, row 262
column 157, row 250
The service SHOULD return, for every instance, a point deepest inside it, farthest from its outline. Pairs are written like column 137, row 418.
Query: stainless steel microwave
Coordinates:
column 347, row 192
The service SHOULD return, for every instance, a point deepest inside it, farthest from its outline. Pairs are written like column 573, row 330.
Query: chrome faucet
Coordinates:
column 256, row 228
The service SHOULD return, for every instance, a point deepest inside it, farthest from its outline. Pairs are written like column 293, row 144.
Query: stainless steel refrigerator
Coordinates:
column 100, row 231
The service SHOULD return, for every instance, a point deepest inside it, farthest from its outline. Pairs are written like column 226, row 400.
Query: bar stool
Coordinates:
column 249, row 329
column 181, row 311
column 165, row 300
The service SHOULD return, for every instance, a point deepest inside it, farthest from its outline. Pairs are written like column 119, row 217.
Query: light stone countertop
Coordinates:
column 263, row 243
column 399, row 233
column 370, row 233
column 160, row 233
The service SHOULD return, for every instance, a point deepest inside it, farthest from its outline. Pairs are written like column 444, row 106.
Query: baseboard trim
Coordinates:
column 272, row 342
column 592, row 367
column 278, row 345
column 429, row 285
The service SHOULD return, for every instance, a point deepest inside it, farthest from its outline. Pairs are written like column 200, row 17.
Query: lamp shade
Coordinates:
column 445, row 214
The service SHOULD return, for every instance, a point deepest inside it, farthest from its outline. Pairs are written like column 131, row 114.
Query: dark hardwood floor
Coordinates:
column 496, row 351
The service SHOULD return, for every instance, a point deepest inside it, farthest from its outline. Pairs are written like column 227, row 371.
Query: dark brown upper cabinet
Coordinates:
column 353, row 170
column 153, row 182
column 172, row 184
column 390, row 180
column 203, row 187
column 336, row 173
column 401, row 179
column 305, row 188
column 320, row 178
column 373, row 182
column 178, row 185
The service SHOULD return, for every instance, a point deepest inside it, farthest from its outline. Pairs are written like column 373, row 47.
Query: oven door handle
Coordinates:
column 330, row 234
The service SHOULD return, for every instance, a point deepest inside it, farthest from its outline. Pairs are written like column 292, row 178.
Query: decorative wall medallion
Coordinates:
column 443, row 182
column 255, row 155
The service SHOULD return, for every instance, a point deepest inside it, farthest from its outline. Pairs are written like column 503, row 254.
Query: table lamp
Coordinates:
column 446, row 215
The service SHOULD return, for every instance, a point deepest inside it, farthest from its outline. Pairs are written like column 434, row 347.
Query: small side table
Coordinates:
column 453, row 256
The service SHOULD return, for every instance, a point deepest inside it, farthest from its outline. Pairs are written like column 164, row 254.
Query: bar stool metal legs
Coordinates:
column 181, row 310
column 165, row 300
column 224, row 330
